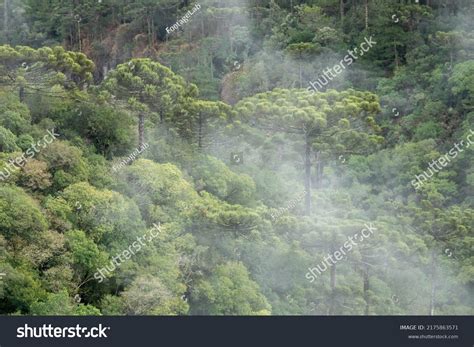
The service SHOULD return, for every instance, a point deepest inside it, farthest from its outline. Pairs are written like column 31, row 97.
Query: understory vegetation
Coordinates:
column 212, row 133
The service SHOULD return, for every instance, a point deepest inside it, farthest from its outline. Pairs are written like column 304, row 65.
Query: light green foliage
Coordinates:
column 15, row 202
column 148, row 296
column 86, row 256
column 216, row 178
column 61, row 304
column 230, row 291
column 105, row 216
column 65, row 163
column 202, row 122
column 147, row 86
column 184, row 229
column 7, row 140
column 30, row 68
column 158, row 189
column 14, row 115
column 463, row 83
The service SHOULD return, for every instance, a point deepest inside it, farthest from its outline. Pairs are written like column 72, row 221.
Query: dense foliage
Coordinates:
column 147, row 172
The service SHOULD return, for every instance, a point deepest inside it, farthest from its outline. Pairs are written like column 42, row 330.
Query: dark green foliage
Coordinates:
column 195, row 171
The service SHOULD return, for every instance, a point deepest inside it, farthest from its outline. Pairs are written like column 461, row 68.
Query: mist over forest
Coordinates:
column 247, row 157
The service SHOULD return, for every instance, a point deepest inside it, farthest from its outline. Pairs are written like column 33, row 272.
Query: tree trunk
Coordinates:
column 105, row 70
column 332, row 306
column 153, row 36
column 433, row 285
column 200, row 132
column 366, row 14
column 319, row 170
column 366, row 290
column 5, row 17
column 301, row 74
column 21, row 93
column 397, row 60
column 148, row 29
column 212, row 66
column 79, row 36
column 307, row 178
column 341, row 10
column 141, row 130
column 333, row 277
column 71, row 33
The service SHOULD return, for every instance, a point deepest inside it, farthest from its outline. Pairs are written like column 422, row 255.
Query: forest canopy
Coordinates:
column 198, row 171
